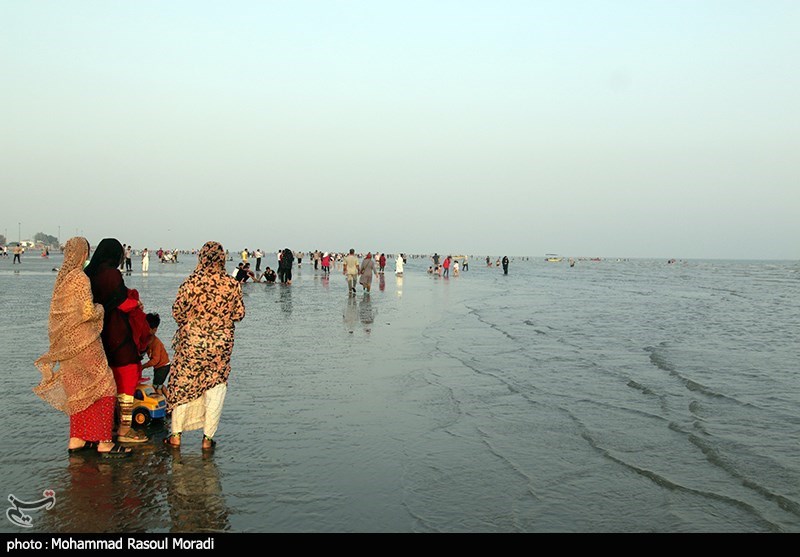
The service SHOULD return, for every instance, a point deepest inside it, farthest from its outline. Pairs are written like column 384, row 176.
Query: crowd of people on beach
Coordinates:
column 363, row 269
column 17, row 251
column 164, row 256
column 101, row 337
column 357, row 268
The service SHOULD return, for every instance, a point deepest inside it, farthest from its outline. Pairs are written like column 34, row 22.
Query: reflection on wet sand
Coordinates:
column 355, row 311
column 156, row 490
column 286, row 299
column 366, row 313
column 194, row 494
column 350, row 314
column 98, row 495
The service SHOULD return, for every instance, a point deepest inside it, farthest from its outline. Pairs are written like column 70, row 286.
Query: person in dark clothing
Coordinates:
column 128, row 263
column 269, row 276
column 125, row 334
column 285, row 267
column 244, row 273
column 505, row 264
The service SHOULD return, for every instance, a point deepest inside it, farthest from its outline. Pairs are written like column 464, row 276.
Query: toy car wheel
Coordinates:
column 141, row 417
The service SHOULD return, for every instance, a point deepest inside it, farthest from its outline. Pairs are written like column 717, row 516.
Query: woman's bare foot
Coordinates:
column 173, row 440
column 76, row 443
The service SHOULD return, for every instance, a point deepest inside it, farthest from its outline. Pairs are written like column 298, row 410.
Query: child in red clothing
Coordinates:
column 159, row 359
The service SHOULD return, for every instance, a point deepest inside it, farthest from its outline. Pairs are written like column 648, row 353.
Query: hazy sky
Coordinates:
column 639, row 128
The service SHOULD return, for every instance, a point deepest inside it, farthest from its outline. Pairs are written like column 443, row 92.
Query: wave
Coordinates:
column 718, row 460
column 658, row 359
column 664, row 482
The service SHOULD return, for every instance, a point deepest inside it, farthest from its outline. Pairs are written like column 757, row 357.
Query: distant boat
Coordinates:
column 553, row 258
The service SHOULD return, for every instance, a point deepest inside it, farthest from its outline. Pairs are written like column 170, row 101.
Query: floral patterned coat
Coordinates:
column 208, row 304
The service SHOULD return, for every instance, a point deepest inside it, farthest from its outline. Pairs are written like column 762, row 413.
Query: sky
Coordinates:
column 627, row 128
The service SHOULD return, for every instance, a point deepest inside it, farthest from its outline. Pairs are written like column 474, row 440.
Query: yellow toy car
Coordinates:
column 148, row 405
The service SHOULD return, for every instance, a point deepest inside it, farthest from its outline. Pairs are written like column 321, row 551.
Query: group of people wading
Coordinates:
column 99, row 332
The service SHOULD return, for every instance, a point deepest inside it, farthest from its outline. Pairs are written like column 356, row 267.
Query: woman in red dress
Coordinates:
column 76, row 378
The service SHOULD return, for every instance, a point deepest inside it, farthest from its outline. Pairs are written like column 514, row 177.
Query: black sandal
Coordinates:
column 211, row 441
column 117, row 451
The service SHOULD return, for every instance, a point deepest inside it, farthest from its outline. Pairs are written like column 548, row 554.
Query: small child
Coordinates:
column 159, row 360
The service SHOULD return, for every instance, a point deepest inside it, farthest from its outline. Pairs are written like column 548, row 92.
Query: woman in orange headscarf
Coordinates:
column 82, row 386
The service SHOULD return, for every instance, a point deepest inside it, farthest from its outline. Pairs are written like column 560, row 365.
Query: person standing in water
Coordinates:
column 350, row 270
column 76, row 378
column 505, row 264
column 128, row 262
column 125, row 333
column 326, row 264
column 446, row 266
column 207, row 307
column 366, row 270
column 285, row 267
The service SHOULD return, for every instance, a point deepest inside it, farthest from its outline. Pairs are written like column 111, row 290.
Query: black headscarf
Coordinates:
column 109, row 251
column 286, row 259
column 108, row 287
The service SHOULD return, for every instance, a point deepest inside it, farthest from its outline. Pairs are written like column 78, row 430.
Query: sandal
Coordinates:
column 117, row 451
column 168, row 440
column 85, row 447
column 133, row 436
column 212, row 443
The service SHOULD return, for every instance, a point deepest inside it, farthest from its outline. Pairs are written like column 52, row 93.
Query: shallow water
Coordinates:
column 615, row 396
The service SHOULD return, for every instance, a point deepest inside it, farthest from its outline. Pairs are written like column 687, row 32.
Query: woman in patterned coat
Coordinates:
column 208, row 304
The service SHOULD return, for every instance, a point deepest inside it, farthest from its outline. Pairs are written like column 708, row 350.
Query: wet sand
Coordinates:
column 609, row 397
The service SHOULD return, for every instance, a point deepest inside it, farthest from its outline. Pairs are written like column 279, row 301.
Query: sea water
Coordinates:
column 612, row 396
